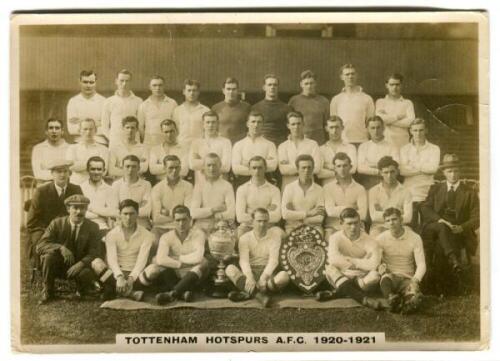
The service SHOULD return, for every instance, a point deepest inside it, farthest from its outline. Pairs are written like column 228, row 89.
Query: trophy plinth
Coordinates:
column 221, row 245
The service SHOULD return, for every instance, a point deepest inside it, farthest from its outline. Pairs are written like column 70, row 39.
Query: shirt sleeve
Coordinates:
column 112, row 255
column 290, row 214
column 362, row 203
column 145, row 207
column 245, row 257
column 238, row 168
column 241, row 206
column 142, row 257
column 409, row 116
column 195, row 158
column 275, row 215
column 144, row 158
column 418, row 253
column 363, row 166
column 289, row 168
column 230, row 212
column 156, row 206
column 115, row 169
column 196, row 256
column 407, row 207
column 335, row 257
column 155, row 163
column 370, row 107
column 318, row 160
column 431, row 164
column 39, row 171
column 274, row 253
column 106, row 118
column 197, row 209
column 141, row 117
column 333, row 106
column 372, row 259
column 373, row 201
column 226, row 155
column 163, row 257
column 407, row 168
column 272, row 158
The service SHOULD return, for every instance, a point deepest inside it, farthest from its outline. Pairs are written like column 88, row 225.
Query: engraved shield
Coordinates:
column 303, row 257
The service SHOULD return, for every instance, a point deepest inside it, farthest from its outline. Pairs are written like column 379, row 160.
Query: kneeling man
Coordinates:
column 403, row 263
column 259, row 253
column 68, row 247
column 179, row 264
column 353, row 258
column 127, row 252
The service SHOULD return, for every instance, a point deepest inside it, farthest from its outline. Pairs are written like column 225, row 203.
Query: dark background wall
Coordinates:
column 439, row 62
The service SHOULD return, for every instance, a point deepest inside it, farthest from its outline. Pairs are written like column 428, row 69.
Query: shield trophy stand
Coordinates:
column 221, row 245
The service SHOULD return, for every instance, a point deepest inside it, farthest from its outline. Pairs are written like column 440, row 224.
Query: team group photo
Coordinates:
column 248, row 175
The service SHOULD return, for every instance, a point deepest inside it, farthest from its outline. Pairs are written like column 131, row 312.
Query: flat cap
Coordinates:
column 58, row 163
column 76, row 199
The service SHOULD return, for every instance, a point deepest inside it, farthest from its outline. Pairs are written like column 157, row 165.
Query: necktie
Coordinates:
column 451, row 197
column 61, row 196
column 72, row 238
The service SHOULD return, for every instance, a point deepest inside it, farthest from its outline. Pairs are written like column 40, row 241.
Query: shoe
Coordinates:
column 97, row 287
column 263, row 299
column 394, row 301
column 322, row 296
column 455, row 264
column 46, row 297
column 372, row 303
column 137, row 295
column 238, row 296
column 187, row 296
column 164, row 298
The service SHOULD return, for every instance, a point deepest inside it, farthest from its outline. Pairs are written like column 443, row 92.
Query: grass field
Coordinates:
column 71, row 321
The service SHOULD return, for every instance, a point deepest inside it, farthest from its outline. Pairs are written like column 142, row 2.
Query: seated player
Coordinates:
column 168, row 194
column 100, row 209
column 353, row 258
column 87, row 147
column 403, row 263
column 86, row 104
column 257, row 193
column 247, row 148
column 188, row 115
column 129, row 145
column 232, row 111
column 213, row 199
column 153, row 111
column 296, row 145
column 389, row 193
column 335, row 144
column 211, row 142
column 259, row 258
column 370, row 152
column 396, row 112
column 170, row 146
column 48, row 203
column 68, row 247
column 303, row 200
column 179, row 265
column 314, row 107
column 53, row 148
column 131, row 186
column 127, row 252
column 419, row 163
column 344, row 192
column 450, row 216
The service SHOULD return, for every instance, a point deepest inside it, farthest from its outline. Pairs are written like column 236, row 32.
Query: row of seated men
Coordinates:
column 450, row 210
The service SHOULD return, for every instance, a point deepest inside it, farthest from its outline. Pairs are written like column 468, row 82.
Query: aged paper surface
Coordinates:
column 444, row 57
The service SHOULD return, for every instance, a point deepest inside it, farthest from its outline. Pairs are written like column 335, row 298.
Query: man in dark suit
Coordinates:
column 450, row 217
column 48, row 203
column 68, row 247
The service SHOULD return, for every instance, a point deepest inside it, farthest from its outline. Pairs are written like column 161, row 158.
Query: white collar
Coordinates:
column 455, row 186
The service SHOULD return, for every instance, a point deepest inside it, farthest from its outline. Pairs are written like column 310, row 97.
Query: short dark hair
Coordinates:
column 210, row 113
column 294, row 114
column 395, row 76
column 375, row 118
column 181, row 209
column 231, row 80
column 131, row 157
column 166, row 122
column 270, row 75
column 170, row 158
column 335, row 118
column 341, row 156
column 348, row 213
column 260, row 210
column 96, row 158
column 50, row 120
column 307, row 74
column 258, row 158
column 418, row 121
column 387, row 161
column 304, row 158
column 128, row 203
column 87, row 73
column 157, row 77
column 391, row 211
column 130, row 119
column 255, row 113
column 192, row 82
column 124, row 71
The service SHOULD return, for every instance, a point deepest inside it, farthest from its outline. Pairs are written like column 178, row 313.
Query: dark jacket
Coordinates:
column 59, row 232
column 46, row 205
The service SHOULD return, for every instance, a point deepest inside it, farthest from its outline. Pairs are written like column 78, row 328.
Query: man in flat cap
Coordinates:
column 48, row 203
column 450, row 217
column 68, row 247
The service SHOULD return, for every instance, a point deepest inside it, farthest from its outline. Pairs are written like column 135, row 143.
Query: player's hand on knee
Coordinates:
column 67, row 255
column 249, row 286
column 75, row 269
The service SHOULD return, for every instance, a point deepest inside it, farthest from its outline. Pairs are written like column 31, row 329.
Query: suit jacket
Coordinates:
column 46, row 205
column 466, row 205
column 58, row 233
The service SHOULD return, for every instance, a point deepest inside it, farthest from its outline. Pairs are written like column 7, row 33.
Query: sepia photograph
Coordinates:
column 201, row 182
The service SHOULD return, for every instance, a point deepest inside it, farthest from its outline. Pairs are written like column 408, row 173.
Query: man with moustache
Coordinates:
column 53, row 148
column 314, row 107
column 153, row 111
column 87, row 104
